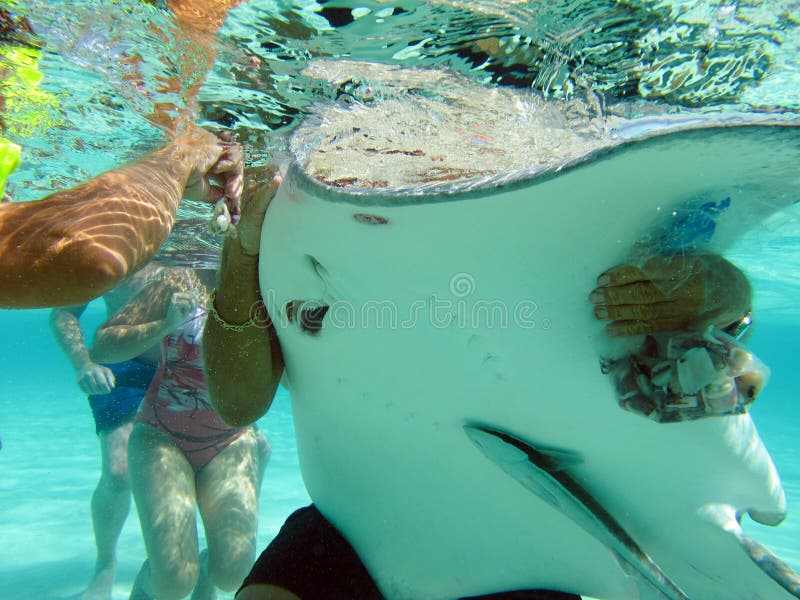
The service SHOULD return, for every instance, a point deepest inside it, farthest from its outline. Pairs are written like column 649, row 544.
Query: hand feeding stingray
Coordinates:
column 427, row 262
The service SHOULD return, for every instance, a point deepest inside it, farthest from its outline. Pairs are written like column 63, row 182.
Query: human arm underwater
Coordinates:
column 243, row 365
column 92, row 378
column 77, row 244
column 157, row 310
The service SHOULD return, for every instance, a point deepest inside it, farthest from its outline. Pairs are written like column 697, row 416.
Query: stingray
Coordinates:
column 427, row 264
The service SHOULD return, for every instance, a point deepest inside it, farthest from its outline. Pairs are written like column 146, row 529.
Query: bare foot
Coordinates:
column 101, row 584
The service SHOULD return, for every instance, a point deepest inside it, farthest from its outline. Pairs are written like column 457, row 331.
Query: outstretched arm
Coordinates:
column 75, row 245
column 143, row 321
column 243, row 365
column 198, row 22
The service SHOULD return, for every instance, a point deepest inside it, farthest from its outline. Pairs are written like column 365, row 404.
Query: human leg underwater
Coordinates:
column 227, row 494
column 111, row 501
column 163, row 485
column 167, row 491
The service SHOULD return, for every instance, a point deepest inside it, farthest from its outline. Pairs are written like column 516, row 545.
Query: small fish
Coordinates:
column 544, row 472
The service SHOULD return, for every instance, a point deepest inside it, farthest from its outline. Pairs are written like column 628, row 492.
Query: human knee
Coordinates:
column 115, row 457
column 116, row 474
column 174, row 583
column 228, row 569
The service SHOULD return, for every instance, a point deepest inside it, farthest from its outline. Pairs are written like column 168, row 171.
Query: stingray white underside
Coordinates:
column 474, row 308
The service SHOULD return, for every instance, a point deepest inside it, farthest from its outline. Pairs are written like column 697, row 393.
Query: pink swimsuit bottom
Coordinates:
column 200, row 434
column 177, row 402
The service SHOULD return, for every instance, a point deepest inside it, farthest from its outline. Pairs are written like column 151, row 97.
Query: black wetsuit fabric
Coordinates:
column 311, row 559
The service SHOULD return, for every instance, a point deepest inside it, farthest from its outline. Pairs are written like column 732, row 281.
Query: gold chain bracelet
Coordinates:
column 212, row 309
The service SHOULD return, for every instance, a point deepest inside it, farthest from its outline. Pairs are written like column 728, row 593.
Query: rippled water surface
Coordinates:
column 111, row 67
column 108, row 79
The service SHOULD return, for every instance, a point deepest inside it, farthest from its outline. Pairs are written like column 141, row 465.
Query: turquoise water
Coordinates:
column 49, row 462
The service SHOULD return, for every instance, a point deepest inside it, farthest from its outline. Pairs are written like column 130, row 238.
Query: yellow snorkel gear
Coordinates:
column 9, row 160
column 27, row 109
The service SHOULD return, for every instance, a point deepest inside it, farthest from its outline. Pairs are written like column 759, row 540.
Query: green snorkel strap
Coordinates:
column 9, row 160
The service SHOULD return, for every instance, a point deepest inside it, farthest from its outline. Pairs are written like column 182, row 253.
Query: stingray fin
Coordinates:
column 726, row 517
column 559, row 458
column 771, row 518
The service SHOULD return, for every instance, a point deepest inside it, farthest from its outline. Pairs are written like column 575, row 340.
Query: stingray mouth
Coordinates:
column 308, row 314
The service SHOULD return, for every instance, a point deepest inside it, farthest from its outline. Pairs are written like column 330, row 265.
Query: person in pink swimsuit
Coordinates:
column 181, row 455
column 177, row 401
